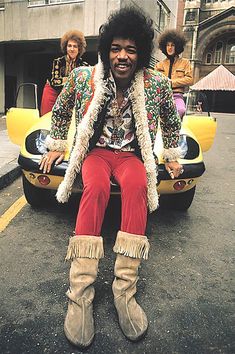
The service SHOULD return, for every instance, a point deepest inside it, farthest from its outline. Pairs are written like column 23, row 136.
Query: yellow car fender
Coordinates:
column 204, row 129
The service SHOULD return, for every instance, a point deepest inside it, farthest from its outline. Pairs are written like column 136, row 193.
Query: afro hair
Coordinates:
column 174, row 36
column 127, row 23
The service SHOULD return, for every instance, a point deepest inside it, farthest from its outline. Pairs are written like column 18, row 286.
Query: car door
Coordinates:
column 24, row 114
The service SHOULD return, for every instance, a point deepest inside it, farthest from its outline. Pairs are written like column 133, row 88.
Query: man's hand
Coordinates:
column 174, row 169
column 48, row 159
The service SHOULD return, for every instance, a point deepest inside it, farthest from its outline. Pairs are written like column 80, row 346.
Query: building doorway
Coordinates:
column 10, row 91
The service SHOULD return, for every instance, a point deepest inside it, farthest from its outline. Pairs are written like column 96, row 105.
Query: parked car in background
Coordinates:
column 27, row 129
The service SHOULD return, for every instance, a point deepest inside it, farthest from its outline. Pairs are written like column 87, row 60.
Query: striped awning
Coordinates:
column 219, row 79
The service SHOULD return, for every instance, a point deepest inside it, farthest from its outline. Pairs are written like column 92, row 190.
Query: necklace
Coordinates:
column 116, row 113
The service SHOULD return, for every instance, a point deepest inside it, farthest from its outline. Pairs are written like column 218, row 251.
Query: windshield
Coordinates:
column 196, row 103
column 26, row 96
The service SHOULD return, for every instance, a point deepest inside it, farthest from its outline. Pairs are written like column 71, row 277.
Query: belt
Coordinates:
column 116, row 151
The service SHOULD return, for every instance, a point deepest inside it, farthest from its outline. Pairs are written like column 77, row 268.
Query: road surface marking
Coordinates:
column 6, row 218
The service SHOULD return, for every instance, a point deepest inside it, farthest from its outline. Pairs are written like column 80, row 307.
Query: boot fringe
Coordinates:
column 131, row 245
column 85, row 247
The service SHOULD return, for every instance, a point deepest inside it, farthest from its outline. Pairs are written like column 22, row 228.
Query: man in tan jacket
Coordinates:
column 177, row 69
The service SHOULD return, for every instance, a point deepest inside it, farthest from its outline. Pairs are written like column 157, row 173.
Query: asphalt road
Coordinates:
column 186, row 287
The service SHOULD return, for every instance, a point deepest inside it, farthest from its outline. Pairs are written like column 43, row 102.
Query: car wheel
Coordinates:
column 179, row 201
column 36, row 197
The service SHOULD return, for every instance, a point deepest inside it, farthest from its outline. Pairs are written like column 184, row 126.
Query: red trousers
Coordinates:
column 129, row 172
column 49, row 97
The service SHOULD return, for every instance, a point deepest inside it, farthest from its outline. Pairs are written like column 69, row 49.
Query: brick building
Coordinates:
column 209, row 26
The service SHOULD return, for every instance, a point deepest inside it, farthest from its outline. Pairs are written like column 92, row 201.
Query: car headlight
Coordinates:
column 35, row 142
column 189, row 147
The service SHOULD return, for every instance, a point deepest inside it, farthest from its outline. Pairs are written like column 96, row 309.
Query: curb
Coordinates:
column 9, row 173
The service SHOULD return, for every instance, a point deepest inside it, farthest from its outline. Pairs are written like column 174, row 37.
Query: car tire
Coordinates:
column 36, row 197
column 179, row 201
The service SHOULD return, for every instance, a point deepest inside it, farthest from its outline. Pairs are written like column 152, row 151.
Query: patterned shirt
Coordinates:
column 119, row 130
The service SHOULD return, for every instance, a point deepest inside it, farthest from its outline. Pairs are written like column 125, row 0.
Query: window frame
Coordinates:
column 218, row 54
column 36, row 3
column 163, row 12
column 211, row 59
column 228, row 51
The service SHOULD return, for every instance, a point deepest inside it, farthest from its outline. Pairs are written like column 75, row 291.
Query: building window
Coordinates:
column 2, row 6
column 37, row 2
column 50, row 2
column 213, row 1
column 60, row 1
column 221, row 52
column 218, row 53
column 230, row 51
column 190, row 16
column 208, row 58
column 162, row 16
column 163, row 19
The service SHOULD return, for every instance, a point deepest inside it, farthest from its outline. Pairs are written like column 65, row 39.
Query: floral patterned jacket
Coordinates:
column 152, row 103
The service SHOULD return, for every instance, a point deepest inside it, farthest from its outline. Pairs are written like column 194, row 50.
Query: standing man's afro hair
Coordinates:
column 174, row 36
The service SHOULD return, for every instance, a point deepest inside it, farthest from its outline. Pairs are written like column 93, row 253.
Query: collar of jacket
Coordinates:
column 175, row 57
column 85, row 131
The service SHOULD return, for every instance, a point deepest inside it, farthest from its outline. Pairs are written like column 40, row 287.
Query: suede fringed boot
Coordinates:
column 84, row 252
column 130, row 249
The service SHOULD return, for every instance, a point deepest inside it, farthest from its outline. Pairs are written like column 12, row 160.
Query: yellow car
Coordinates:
column 27, row 129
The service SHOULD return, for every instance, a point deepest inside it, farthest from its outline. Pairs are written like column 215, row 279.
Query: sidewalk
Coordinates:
column 9, row 168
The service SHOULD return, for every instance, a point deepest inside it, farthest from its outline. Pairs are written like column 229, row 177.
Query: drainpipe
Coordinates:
column 193, row 52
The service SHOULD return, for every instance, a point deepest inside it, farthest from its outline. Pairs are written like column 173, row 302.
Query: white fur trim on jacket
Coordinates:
column 144, row 140
column 84, row 133
column 56, row 145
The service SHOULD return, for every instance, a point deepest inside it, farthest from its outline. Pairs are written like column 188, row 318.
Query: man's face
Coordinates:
column 72, row 49
column 170, row 48
column 123, row 60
